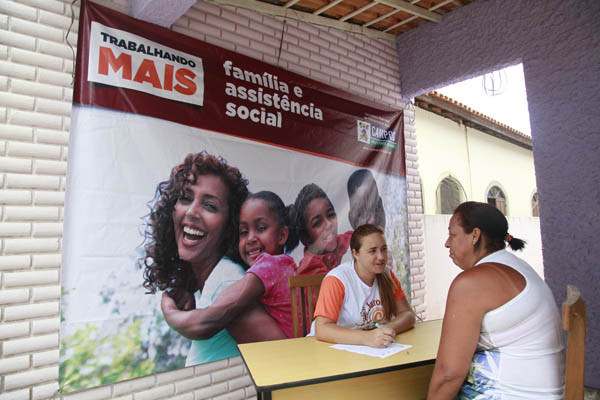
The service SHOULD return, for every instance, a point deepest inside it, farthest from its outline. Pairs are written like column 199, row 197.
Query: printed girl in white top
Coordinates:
column 501, row 336
column 361, row 294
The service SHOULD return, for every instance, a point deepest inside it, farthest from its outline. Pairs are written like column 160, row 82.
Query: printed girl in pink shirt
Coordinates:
column 264, row 238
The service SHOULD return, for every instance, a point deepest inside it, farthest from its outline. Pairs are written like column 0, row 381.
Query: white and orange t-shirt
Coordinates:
column 345, row 299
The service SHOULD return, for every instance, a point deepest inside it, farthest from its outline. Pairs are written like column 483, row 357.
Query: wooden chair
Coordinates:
column 573, row 318
column 309, row 286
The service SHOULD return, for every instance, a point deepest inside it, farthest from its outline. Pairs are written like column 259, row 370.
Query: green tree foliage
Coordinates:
column 93, row 359
column 142, row 345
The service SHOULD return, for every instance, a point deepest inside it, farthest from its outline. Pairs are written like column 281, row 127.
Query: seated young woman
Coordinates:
column 362, row 301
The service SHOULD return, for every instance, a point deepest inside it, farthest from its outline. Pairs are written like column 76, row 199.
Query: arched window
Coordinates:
column 496, row 198
column 535, row 205
column 450, row 194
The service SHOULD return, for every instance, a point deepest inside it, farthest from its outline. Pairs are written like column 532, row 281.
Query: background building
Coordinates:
column 465, row 155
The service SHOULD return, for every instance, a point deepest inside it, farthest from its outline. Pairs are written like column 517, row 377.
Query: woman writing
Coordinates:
column 501, row 335
column 191, row 248
column 361, row 294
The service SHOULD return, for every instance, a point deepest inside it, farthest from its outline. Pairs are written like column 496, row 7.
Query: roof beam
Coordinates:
column 360, row 10
column 327, row 7
column 277, row 11
column 412, row 9
column 290, row 3
column 394, row 11
column 384, row 16
column 407, row 20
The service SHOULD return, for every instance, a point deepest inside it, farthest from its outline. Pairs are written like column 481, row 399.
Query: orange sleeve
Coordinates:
column 398, row 292
column 331, row 298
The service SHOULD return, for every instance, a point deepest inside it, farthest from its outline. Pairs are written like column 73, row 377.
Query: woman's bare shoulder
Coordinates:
column 469, row 279
column 501, row 275
column 492, row 284
column 487, row 273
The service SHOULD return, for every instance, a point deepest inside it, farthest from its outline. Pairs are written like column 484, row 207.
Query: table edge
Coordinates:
column 331, row 378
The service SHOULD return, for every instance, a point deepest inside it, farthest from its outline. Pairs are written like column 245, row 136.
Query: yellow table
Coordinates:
column 305, row 368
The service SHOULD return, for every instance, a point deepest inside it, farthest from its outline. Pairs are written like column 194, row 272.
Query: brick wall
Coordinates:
column 35, row 106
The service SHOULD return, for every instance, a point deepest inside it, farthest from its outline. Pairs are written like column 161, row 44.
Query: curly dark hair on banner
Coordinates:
column 163, row 269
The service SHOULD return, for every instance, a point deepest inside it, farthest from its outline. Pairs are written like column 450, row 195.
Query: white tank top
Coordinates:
column 520, row 350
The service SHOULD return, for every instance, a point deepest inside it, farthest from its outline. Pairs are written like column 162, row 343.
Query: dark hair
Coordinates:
column 307, row 194
column 281, row 214
column 491, row 222
column 163, row 269
column 363, row 209
column 357, row 178
column 384, row 280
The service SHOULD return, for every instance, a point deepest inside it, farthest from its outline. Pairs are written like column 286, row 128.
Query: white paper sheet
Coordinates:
column 372, row 351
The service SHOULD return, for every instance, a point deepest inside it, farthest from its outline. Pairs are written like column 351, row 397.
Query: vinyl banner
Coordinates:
column 190, row 164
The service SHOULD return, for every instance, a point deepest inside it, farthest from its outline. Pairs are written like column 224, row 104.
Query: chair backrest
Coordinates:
column 308, row 286
column 573, row 318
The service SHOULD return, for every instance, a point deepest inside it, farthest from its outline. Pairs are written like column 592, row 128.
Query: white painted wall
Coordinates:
column 440, row 271
column 476, row 159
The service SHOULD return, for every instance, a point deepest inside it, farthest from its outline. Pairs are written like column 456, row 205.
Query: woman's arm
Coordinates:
column 328, row 331
column 203, row 323
column 472, row 294
column 255, row 325
column 184, row 300
column 460, row 334
column 329, row 304
column 404, row 319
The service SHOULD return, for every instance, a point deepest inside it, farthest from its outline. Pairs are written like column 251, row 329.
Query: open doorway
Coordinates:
column 475, row 136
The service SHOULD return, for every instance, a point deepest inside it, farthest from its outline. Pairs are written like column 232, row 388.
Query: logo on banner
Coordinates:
column 375, row 135
column 122, row 59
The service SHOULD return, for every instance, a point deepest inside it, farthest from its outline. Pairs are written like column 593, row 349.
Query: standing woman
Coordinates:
column 363, row 293
column 191, row 247
column 501, row 335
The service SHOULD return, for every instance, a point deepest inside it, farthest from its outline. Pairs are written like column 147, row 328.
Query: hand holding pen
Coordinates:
column 379, row 335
